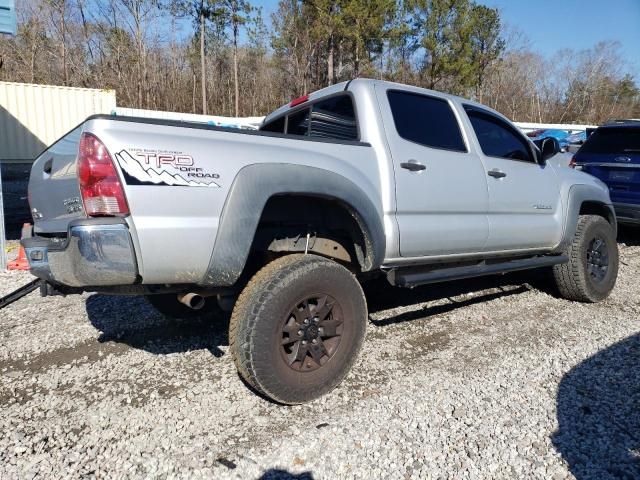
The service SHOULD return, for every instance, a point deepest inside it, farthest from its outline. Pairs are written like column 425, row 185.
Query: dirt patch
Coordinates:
column 85, row 352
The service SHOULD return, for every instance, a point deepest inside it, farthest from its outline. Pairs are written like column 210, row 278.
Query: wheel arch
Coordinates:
column 585, row 200
column 591, row 207
column 258, row 184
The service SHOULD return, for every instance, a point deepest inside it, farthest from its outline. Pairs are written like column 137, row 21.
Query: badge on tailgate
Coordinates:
column 142, row 166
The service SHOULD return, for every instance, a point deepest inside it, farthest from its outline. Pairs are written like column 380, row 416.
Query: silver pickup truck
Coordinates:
column 365, row 178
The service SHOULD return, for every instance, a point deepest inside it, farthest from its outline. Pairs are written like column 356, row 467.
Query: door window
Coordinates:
column 425, row 120
column 496, row 137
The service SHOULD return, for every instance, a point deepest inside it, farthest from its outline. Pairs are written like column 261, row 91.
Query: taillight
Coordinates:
column 100, row 187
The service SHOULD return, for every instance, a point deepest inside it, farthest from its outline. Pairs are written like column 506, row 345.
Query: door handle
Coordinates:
column 413, row 166
column 495, row 173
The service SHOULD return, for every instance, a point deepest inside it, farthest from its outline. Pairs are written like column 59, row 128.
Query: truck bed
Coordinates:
column 176, row 177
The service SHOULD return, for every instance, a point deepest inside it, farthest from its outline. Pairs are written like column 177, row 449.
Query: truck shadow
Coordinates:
column 598, row 410
column 279, row 474
column 134, row 322
column 381, row 297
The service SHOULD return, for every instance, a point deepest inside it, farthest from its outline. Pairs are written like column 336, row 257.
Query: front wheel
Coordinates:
column 592, row 270
column 297, row 328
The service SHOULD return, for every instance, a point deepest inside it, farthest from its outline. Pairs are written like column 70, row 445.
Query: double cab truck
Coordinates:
column 281, row 226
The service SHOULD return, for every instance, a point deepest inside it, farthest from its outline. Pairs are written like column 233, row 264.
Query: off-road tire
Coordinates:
column 266, row 305
column 573, row 279
column 169, row 306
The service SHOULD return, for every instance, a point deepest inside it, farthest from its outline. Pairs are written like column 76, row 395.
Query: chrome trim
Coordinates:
column 94, row 255
column 608, row 164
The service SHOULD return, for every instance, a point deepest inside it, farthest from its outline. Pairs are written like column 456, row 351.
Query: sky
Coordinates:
column 552, row 25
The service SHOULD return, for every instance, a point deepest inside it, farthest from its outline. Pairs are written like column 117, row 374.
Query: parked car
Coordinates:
column 612, row 154
column 575, row 141
column 362, row 179
column 560, row 135
column 577, row 138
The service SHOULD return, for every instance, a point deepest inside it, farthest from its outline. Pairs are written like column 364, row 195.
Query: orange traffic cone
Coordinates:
column 21, row 262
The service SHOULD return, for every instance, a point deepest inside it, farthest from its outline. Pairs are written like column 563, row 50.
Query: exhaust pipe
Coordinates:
column 192, row 300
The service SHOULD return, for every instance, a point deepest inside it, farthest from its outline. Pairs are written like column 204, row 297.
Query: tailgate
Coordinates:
column 54, row 192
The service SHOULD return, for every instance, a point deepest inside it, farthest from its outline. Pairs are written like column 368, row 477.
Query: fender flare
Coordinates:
column 255, row 184
column 578, row 195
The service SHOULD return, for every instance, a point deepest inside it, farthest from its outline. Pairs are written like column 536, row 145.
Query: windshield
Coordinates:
column 617, row 140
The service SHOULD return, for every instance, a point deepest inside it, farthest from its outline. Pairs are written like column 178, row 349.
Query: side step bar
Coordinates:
column 414, row 276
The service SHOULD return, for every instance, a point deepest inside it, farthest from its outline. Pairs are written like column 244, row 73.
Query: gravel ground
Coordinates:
column 491, row 378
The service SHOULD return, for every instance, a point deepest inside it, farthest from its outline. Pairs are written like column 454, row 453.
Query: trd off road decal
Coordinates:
column 155, row 167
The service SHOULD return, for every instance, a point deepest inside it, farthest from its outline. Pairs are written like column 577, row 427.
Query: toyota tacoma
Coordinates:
column 281, row 226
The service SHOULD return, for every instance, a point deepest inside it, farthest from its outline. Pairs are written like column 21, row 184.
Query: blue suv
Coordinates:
column 612, row 154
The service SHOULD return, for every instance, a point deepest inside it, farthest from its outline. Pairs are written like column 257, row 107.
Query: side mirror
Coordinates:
column 547, row 148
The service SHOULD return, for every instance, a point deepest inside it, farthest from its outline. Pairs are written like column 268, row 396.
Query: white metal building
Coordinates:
column 32, row 116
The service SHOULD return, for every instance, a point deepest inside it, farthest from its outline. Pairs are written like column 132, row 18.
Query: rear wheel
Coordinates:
column 591, row 272
column 297, row 328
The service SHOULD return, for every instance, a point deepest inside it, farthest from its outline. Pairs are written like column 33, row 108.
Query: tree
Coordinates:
column 236, row 14
column 293, row 46
column 198, row 55
column 59, row 11
column 365, row 24
column 200, row 11
column 400, row 41
column 486, row 42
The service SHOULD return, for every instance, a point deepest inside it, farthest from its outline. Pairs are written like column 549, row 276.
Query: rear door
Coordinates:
column 441, row 187
column 612, row 154
column 525, row 210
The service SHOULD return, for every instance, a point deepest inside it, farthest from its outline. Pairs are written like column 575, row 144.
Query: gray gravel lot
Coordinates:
column 491, row 378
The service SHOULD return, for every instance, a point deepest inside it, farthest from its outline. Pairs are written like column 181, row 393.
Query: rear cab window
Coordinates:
column 425, row 120
column 498, row 138
column 298, row 123
column 276, row 125
column 333, row 117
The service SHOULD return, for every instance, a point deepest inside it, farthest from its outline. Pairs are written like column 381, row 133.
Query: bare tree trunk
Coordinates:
column 63, row 50
column 33, row 64
column 202, row 62
column 193, row 95
column 235, row 67
column 330, row 74
column 85, row 28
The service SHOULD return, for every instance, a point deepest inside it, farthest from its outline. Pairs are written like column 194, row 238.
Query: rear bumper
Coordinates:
column 97, row 252
column 627, row 213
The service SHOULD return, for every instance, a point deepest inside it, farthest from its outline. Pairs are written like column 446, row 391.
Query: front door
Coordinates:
column 441, row 187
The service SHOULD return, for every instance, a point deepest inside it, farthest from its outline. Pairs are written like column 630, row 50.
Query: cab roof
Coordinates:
column 367, row 82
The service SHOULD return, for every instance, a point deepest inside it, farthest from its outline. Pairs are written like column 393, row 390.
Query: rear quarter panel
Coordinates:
column 175, row 220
